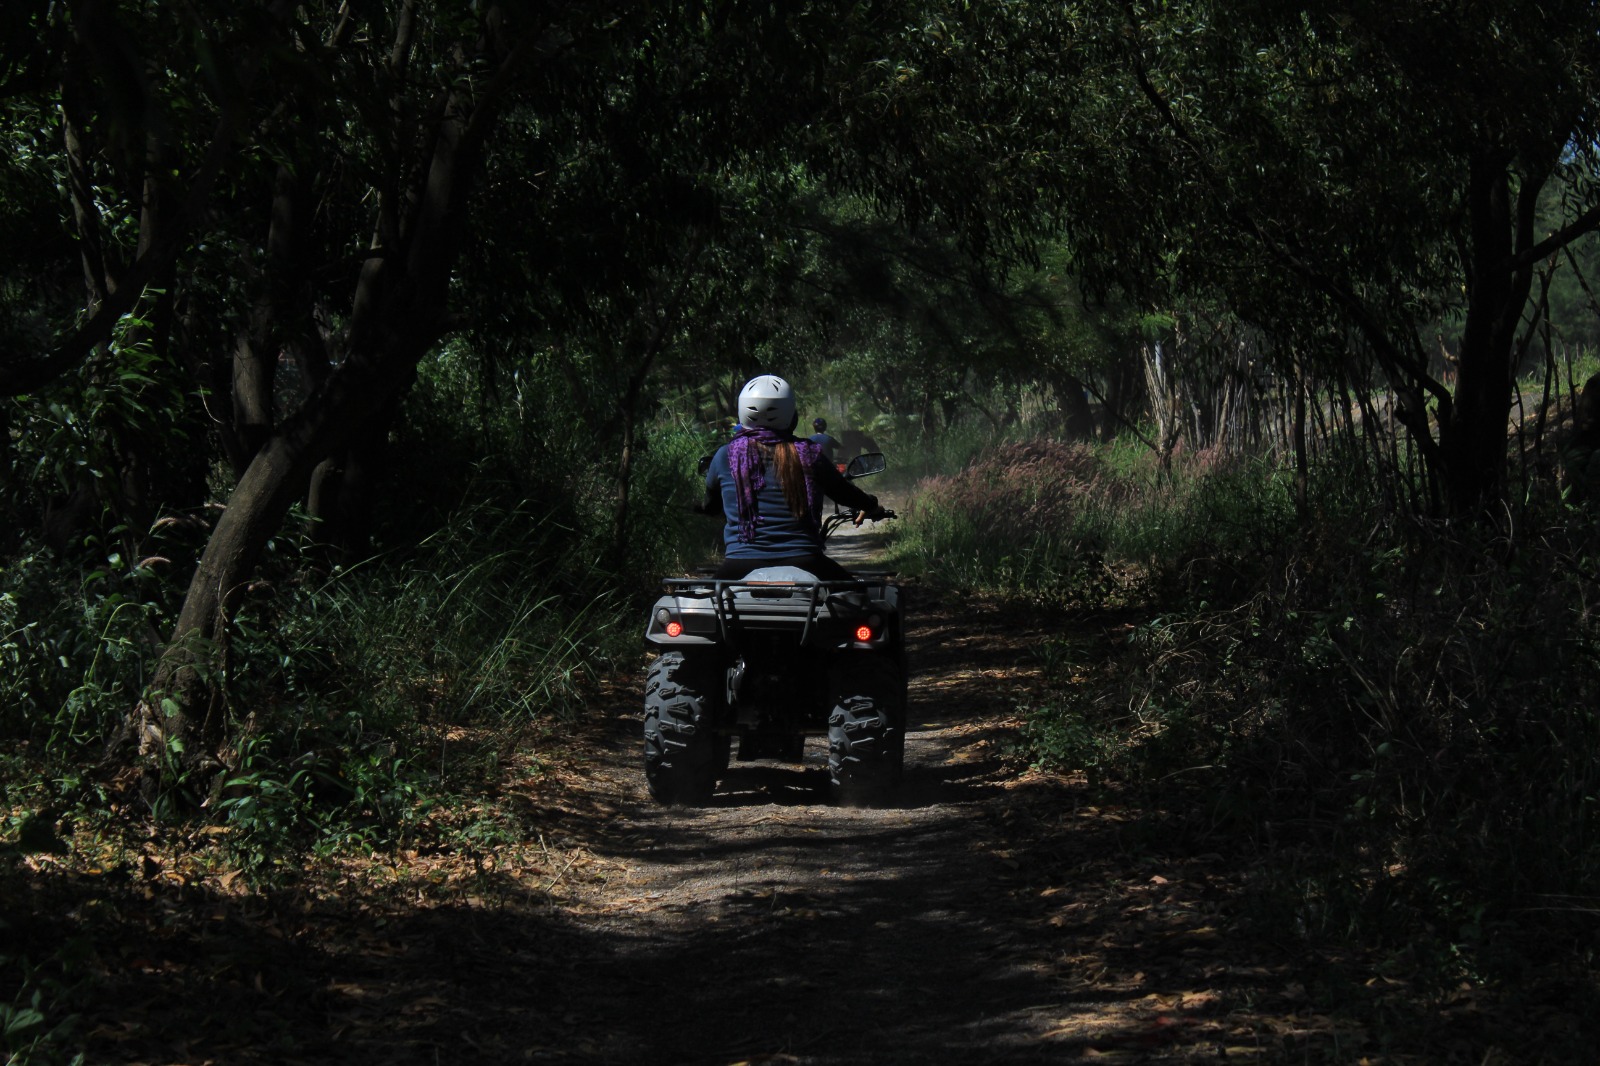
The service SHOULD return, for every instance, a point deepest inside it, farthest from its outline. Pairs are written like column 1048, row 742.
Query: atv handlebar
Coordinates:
column 854, row 515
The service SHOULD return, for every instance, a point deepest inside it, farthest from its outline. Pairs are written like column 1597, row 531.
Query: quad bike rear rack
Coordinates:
column 737, row 603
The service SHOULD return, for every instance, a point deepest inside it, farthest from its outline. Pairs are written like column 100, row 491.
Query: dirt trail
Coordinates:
column 772, row 927
column 989, row 915
column 992, row 914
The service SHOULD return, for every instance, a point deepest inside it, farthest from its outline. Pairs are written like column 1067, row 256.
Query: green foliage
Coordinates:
column 483, row 618
column 1202, row 532
column 488, row 607
column 321, row 781
column 340, row 679
column 1046, row 496
column 527, row 438
column 74, row 650
column 913, row 455
column 37, row 1024
column 1438, row 712
column 108, row 437
column 918, row 342
column 1416, row 706
column 1079, row 524
column 39, row 249
column 1060, row 736
column 667, row 535
column 501, row 617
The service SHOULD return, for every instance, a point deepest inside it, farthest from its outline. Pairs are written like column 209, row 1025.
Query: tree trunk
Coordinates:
column 180, row 720
column 1472, row 428
column 663, row 318
column 1122, row 395
column 1076, row 414
column 1165, row 404
column 7, row 453
column 1302, row 461
column 251, row 422
column 400, row 314
column 343, row 486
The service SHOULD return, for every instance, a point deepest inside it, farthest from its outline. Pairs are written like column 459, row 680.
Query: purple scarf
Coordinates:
column 750, row 475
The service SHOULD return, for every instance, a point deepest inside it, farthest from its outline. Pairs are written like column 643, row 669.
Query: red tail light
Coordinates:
column 863, row 633
column 674, row 628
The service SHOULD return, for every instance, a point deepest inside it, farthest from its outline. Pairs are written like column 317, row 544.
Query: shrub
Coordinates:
column 74, row 649
column 340, row 679
column 1415, row 702
column 1075, row 524
column 1045, row 499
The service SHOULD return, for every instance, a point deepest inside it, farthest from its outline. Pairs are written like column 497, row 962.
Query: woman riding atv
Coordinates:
column 769, row 485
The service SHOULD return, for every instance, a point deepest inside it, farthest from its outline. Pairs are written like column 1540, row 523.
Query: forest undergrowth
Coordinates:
column 1394, row 719
column 1398, row 718
column 378, row 707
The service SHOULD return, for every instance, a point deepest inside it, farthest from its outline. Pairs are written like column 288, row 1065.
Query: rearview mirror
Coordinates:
column 705, row 464
column 864, row 464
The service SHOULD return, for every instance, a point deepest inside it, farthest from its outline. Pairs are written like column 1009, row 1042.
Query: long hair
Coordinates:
column 792, row 478
column 758, row 454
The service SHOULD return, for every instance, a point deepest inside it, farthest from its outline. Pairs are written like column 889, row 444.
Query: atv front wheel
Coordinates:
column 682, row 752
column 866, row 730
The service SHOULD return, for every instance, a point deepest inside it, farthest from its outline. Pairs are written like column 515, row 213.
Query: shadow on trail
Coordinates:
column 906, row 944
column 923, row 785
column 845, row 939
column 767, row 928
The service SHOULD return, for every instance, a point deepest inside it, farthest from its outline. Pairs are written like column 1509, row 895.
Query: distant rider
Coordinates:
column 769, row 485
column 827, row 441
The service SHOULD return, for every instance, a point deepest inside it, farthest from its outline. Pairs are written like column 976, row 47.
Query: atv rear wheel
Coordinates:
column 682, row 752
column 866, row 730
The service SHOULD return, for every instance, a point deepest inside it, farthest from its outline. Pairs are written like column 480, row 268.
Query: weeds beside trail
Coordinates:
column 995, row 914
column 1218, row 792
column 1399, row 722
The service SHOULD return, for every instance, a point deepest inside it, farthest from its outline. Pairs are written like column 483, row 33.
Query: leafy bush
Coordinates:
column 1075, row 524
column 340, row 679
column 74, row 648
column 1045, row 498
column 665, row 534
column 37, row 1023
column 81, row 610
column 495, row 598
column 1061, row 734
column 1417, row 703
column 914, row 454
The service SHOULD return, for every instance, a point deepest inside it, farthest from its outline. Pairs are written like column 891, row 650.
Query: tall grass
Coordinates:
column 347, row 682
column 1075, row 523
column 913, row 454
column 76, row 644
column 1400, row 721
column 1404, row 720
column 1023, row 519
column 499, row 613
column 340, row 684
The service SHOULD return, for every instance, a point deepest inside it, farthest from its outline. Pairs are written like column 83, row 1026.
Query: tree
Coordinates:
column 1369, row 168
column 283, row 191
column 291, row 204
column 1357, row 171
column 298, row 173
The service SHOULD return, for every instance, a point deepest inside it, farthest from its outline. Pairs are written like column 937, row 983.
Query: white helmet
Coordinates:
column 767, row 402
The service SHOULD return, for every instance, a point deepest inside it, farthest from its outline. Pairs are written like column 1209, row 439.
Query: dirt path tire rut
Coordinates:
column 773, row 927
column 991, row 914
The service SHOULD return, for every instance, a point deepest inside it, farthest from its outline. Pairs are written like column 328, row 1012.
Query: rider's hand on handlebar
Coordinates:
column 877, row 514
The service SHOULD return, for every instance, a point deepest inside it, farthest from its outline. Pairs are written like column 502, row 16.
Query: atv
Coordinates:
column 770, row 659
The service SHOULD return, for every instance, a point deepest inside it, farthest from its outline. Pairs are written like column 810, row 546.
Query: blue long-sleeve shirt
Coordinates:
column 780, row 534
